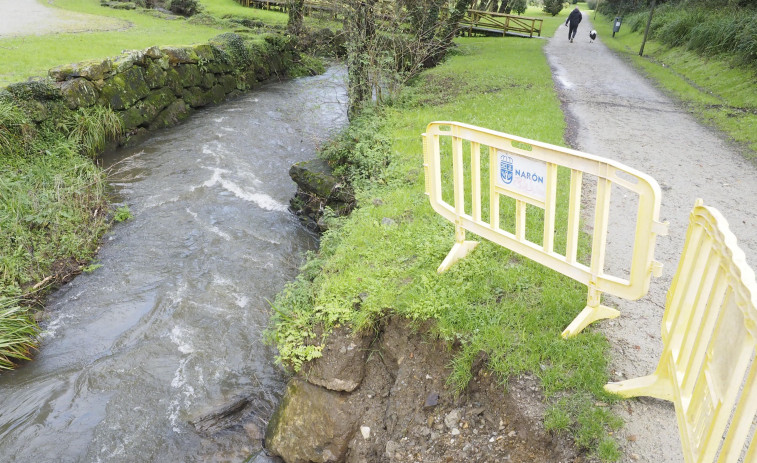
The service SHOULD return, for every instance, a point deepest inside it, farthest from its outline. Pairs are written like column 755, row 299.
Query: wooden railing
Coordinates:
column 488, row 21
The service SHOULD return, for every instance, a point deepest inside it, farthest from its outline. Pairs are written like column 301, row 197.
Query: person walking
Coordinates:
column 574, row 18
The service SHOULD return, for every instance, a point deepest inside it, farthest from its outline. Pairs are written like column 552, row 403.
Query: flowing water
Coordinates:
column 170, row 326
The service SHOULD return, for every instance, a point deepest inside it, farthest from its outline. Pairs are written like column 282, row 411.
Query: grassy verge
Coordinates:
column 53, row 207
column 714, row 89
column 383, row 258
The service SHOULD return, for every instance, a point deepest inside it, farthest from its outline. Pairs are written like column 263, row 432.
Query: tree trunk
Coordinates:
column 296, row 15
column 360, row 28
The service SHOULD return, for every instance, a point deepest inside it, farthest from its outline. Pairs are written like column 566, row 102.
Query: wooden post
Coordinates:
column 646, row 31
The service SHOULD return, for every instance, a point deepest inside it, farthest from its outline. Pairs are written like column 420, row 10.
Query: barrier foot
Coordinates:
column 650, row 386
column 588, row 316
column 458, row 251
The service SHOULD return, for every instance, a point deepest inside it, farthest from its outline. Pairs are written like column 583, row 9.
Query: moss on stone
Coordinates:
column 79, row 92
column 172, row 115
column 180, row 55
column 208, row 80
column 155, row 75
column 91, row 70
column 148, row 109
column 196, row 97
column 189, row 74
column 217, row 94
column 228, row 82
column 122, row 90
column 173, row 81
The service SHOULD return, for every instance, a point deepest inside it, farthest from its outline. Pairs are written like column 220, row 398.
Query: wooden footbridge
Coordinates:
column 492, row 23
column 474, row 22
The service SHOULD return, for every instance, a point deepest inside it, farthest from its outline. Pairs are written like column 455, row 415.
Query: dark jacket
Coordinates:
column 574, row 18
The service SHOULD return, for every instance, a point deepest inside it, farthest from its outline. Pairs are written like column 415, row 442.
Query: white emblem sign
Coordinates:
column 525, row 176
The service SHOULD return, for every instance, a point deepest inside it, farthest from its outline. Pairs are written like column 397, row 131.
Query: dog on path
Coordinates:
column 592, row 36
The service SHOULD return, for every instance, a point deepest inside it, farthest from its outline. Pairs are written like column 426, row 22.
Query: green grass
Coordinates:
column 53, row 207
column 493, row 301
column 229, row 8
column 17, row 333
column 30, row 56
column 719, row 92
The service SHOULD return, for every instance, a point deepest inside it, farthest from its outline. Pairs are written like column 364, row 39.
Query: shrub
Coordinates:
column 184, row 7
column 553, row 7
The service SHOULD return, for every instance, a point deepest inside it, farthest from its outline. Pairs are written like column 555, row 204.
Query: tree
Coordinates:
column 386, row 48
column 296, row 13
column 553, row 7
column 519, row 6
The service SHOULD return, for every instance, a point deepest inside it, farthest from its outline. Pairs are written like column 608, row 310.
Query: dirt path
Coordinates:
column 616, row 113
column 32, row 17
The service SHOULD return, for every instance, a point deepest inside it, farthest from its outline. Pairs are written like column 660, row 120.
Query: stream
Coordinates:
column 170, row 326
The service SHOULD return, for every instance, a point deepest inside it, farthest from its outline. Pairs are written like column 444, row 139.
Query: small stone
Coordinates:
column 430, row 421
column 432, row 400
column 455, row 432
column 491, row 439
column 387, row 222
column 635, row 457
column 391, row 448
column 429, row 377
column 632, row 438
column 512, row 433
column 366, row 432
column 453, row 418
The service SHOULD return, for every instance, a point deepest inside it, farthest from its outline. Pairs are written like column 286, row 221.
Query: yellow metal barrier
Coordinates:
column 527, row 171
column 709, row 330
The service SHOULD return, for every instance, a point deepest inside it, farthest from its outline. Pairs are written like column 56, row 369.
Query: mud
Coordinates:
column 614, row 112
column 403, row 410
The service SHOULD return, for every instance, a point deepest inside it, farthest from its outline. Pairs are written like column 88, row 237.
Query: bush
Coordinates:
column 184, row 7
column 707, row 31
column 553, row 7
column 591, row 4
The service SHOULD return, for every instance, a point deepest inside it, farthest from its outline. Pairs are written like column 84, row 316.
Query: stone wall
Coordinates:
column 160, row 86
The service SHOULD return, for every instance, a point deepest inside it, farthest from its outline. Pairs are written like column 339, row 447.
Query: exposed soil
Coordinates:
column 33, row 17
column 614, row 112
column 402, row 410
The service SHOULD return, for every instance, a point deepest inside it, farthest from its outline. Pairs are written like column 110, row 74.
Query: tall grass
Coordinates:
column 53, row 207
column 707, row 31
column 17, row 333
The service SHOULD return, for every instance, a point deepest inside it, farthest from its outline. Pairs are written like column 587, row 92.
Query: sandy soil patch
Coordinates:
column 32, row 17
column 615, row 113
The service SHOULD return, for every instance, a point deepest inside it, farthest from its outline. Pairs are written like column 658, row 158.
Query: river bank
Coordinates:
column 137, row 356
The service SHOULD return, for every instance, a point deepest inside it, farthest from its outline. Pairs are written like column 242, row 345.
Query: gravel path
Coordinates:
column 616, row 113
column 32, row 17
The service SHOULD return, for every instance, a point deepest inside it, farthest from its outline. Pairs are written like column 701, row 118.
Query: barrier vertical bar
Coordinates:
column 548, row 241
column 493, row 195
column 520, row 220
column 475, row 166
column 594, row 310
column 457, row 174
column 742, row 421
column 461, row 248
column 574, row 210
